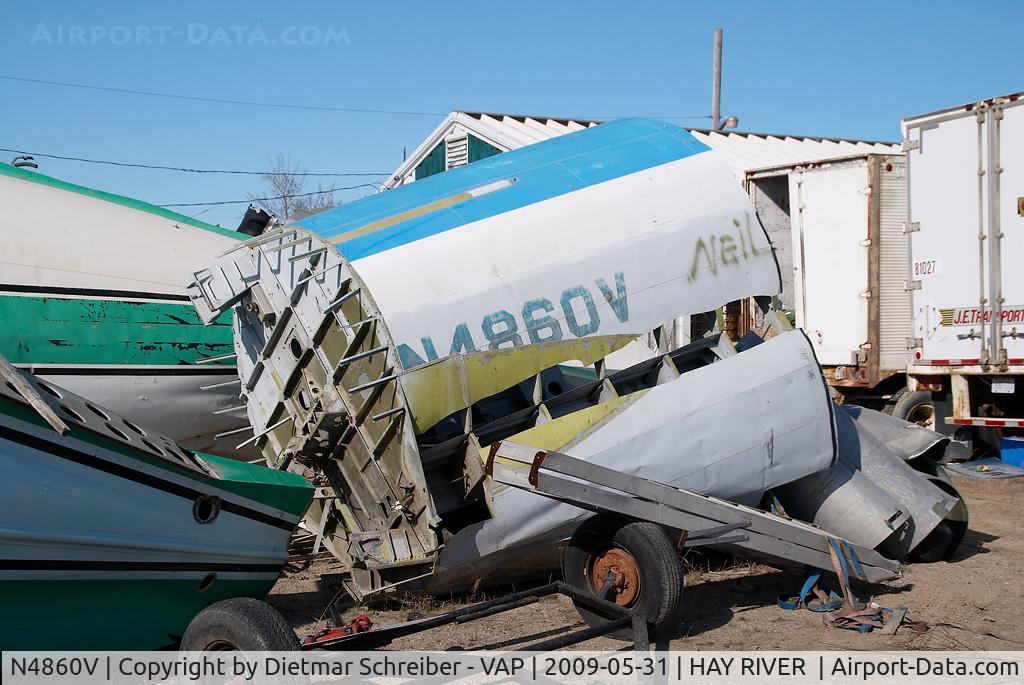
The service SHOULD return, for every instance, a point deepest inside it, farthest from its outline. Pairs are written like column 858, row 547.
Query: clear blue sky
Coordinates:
column 812, row 68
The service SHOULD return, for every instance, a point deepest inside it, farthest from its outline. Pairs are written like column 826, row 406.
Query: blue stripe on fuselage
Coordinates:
column 541, row 171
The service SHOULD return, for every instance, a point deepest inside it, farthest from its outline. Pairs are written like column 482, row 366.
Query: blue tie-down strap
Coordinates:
column 841, row 568
column 821, row 602
column 851, row 554
column 847, row 611
column 863, row 618
column 794, row 603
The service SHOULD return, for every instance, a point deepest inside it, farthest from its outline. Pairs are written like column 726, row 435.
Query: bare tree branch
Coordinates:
column 285, row 185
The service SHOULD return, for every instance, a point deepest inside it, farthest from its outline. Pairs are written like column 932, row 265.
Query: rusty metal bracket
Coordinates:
column 712, row 536
column 538, row 459
column 491, row 453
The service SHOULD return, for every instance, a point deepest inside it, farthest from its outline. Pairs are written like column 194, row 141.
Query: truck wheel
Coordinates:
column 240, row 623
column 916, row 407
column 648, row 576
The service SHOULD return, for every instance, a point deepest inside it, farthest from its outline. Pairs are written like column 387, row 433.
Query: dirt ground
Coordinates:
column 971, row 602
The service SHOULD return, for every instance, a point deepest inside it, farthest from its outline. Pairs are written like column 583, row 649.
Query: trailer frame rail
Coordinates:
column 703, row 519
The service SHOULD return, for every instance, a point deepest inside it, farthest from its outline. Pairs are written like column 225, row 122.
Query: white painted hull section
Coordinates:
column 54, row 237
column 59, row 239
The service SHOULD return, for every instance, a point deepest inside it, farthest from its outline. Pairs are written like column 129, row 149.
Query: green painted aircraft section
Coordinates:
column 108, row 614
column 52, row 330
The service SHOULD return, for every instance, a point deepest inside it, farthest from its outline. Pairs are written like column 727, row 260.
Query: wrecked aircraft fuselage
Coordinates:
column 400, row 457
column 400, row 445
column 613, row 230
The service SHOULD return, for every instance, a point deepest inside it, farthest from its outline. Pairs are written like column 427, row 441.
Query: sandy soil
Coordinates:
column 970, row 602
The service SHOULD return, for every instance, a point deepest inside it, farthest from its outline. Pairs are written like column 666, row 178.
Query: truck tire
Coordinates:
column 646, row 564
column 240, row 623
column 916, row 407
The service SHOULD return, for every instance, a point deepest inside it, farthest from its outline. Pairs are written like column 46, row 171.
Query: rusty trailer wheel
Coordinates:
column 620, row 570
column 639, row 564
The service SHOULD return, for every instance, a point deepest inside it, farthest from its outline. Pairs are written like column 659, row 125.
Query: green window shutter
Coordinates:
column 478, row 149
column 432, row 164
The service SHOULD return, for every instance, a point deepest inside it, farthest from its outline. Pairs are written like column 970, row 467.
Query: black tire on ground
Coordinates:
column 942, row 543
column 658, row 569
column 240, row 623
column 916, row 407
column 939, row 544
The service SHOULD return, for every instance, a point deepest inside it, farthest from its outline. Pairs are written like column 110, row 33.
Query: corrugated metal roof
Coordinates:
column 529, row 129
column 744, row 151
column 748, row 151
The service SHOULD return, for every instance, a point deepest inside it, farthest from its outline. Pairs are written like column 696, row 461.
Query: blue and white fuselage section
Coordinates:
column 618, row 228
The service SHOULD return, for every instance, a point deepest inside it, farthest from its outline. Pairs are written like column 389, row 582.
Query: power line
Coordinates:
column 647, row 116
column 266, row 199
column 186, row 169
column 224, row 101
column 279, row 105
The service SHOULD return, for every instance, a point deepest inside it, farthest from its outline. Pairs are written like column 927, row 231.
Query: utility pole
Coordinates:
column 716, row 83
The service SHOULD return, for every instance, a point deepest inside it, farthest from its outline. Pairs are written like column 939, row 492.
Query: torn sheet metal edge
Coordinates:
column 907, row 440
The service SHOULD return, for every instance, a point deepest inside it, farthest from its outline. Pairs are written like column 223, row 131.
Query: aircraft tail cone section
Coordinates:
column 874, row 497
column 846, row 502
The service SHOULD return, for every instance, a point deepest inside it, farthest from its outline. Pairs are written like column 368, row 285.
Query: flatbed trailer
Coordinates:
column 702, row 520
column 699, row 520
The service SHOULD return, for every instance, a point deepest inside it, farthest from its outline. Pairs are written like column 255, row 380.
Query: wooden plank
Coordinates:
column 14, row 377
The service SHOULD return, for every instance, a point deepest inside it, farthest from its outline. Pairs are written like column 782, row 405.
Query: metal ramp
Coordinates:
column 704, row 520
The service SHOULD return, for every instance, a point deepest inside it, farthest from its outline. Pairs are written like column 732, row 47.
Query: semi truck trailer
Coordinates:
column 965, row 226
column 902, row 269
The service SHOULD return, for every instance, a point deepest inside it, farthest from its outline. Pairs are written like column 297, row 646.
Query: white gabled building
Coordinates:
column 464, row 137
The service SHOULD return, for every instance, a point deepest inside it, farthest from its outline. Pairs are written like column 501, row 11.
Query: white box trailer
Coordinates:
column 966, row 226
column 837, row 227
